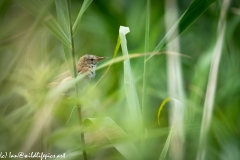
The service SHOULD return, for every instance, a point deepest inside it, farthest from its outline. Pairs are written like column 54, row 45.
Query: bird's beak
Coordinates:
column 101, row 58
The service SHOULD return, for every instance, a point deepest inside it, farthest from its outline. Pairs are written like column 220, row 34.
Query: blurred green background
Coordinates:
column 31, row 56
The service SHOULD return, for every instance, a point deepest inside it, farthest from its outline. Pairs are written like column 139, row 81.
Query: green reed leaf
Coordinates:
column 116, row 135
column 174, row 127
column 196, row 9
column 35, row 7
column 161, row 107
column 64, row 21
column 85, row 5
column 63, row 16
column 130, row 89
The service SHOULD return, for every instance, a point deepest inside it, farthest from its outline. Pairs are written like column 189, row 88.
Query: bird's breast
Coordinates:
column 91, row 74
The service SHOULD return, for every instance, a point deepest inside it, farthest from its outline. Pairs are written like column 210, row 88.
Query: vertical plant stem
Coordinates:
column 75, row 76
column 212, row 82
column 82, row 134
column 145, row 62
column 175, row 84
column 144, row 93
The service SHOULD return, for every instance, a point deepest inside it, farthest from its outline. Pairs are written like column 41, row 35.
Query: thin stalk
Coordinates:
column 144, row 93
column 75, row 73
column 175, row 84
column 212, row 82
column 145, row 62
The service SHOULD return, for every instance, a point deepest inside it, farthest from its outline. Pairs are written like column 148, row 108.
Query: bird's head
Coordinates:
column 89, row 61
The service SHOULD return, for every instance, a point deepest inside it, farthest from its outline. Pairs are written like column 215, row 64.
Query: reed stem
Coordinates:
column 144, row 74
column 75, row 73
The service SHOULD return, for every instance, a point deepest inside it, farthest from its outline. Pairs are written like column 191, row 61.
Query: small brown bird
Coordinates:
column 85, row 66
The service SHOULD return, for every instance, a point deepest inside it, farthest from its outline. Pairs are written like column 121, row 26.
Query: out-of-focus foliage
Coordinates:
column 32, row 120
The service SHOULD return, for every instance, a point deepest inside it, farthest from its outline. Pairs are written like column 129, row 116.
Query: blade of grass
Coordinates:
column 212, row 82
column 130, row 90
column 137, row 55
column 144, row 92
column 63, row 17
column 64, row 21
column 161, row 107
column 116, row 135
column 34, row 7
column 164, row 152
column 175, row 125
column 174, row 83
column 196, row 9
column 85, row 5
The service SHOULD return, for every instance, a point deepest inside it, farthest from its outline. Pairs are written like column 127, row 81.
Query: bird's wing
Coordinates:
column 57, row 80
column 63, row 78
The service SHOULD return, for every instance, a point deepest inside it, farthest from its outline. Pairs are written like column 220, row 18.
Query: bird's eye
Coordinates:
column 91, row 59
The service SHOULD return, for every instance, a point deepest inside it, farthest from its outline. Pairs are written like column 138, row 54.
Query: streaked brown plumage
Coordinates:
column 86, row 65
